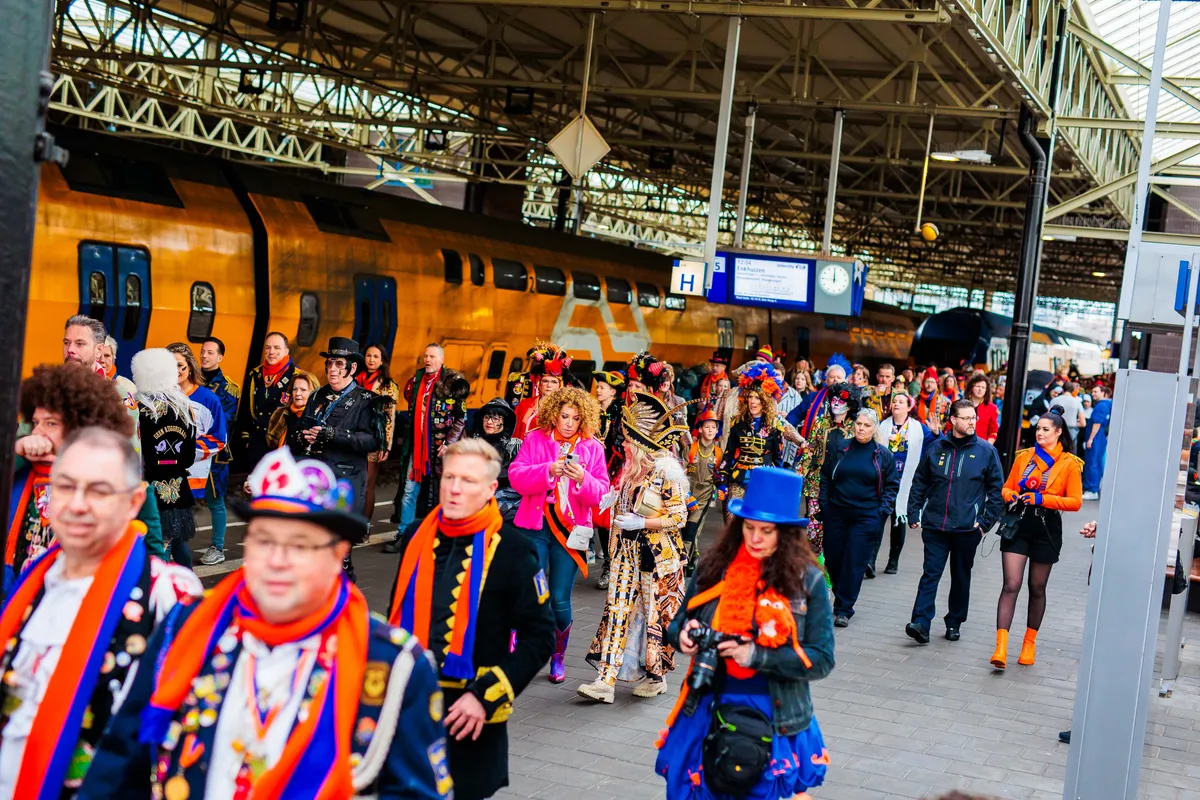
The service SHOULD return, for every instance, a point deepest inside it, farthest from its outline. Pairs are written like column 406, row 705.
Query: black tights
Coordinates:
column 1014, row 572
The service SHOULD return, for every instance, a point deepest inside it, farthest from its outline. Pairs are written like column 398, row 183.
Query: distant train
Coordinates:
column 163, row 245
column 981, row 337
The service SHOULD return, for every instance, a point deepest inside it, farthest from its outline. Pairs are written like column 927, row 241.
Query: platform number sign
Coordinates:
column 687, row 277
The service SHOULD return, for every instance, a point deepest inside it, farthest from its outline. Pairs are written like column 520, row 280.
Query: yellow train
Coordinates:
column 164, row 246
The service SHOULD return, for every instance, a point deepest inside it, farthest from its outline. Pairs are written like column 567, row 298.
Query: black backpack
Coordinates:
column 737, row 749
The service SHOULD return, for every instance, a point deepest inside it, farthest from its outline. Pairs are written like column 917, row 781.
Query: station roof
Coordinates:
column 429, row 94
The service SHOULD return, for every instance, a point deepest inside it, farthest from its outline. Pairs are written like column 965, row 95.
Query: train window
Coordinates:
column 203, row 310
column 619, row 291
column 476, row 269
column 496, row 365
column 452, row 267
column 615, row 366
column 310, row 319
column 550, row 280
column 586, row 286
column 345, row 219
column 117, row 176
column 830, row 324
column 647, row 295
column 724, row 333
column 582, row 370
column 133, row 306
column 97, row 294
column 510, row 275
column 517, row 364
column 674, row 302
column 752, row 341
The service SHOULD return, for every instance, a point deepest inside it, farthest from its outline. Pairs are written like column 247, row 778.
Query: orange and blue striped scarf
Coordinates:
column 315, row 763
column 1037, row 472
column 412, row 604
column 55, row 733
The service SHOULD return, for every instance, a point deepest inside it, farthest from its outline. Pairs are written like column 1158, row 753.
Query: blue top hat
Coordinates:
column 772, row 495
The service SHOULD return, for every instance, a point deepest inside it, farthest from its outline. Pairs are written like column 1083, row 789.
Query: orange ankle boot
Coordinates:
column 1000, row 657
column 1028, row 647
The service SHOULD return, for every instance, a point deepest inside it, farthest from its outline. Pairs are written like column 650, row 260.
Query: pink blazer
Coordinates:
column 529, row 474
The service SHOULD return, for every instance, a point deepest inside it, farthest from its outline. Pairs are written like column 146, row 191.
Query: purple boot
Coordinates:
column 558, row 671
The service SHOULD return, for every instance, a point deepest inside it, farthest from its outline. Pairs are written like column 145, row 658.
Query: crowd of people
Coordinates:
column 279, row 678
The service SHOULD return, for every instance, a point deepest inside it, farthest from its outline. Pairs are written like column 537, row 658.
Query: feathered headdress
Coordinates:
column 839, row 360
column 547, row 358
column 649, row 422
column 648, row 370
column 765, row 378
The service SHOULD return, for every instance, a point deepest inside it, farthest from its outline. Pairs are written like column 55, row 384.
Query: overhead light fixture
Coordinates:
column 1099, row 274
column 972, row 156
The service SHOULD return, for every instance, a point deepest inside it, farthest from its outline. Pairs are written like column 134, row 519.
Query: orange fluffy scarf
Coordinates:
column 747, row 604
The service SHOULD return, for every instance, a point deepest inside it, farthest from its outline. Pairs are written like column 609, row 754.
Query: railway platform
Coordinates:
column 900, row 720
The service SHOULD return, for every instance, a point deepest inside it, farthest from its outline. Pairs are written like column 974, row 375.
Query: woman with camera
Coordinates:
column 1045, row 481
column 561, row 475
column 759, row 627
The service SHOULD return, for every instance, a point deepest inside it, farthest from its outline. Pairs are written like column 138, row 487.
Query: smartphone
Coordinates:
column 572, row 458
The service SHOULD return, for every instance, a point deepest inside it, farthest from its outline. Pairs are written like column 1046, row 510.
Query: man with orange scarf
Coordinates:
column 268, row 387
column 279, row 684
column 77, row 620
column 467, row 581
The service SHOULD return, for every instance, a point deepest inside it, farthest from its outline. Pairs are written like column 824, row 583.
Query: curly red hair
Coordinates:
column 77, row 394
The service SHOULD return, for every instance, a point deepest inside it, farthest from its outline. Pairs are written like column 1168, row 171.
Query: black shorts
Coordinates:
column 1039, row 537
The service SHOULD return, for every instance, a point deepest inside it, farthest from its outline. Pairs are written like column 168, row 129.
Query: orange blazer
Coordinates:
column 1064, row 490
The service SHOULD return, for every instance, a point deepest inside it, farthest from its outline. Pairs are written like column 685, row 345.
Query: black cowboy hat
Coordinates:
column 342, row 347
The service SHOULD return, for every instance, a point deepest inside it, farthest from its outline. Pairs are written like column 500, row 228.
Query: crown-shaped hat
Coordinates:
column 648, row 370
column 306, row 490
column 648, row 422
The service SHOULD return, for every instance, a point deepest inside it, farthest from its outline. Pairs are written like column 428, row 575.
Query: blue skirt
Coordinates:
column 797, row 761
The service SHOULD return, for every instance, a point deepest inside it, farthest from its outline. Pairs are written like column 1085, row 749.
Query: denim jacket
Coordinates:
column 787, row 677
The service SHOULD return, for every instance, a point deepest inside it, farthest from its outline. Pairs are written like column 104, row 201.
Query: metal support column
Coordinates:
column 835, row 158
column 744, row 184
column 587, row 76
column 725, row 111
column 1027, row 279
column 1137, row 497
column 1174, row 635
column 25, row 85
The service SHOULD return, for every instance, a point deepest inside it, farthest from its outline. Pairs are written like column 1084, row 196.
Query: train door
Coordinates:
column 467, row 357
column 114, row 287
column 375, row 311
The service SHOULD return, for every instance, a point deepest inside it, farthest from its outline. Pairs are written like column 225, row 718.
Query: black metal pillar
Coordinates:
column 1027, row 281
column 25, row 86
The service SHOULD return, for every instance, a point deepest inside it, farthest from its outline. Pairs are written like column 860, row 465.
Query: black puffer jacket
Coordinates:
column 506, row 445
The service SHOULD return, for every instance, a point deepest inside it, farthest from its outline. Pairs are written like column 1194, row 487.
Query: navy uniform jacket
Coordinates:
column 412, row 766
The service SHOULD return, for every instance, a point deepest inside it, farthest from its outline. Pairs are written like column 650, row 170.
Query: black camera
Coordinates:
column 707, row 660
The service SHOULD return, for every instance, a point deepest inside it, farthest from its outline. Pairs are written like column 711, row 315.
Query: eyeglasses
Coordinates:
column 967, row 419
column 336, row 363
column 292, row 551
column 93, row 493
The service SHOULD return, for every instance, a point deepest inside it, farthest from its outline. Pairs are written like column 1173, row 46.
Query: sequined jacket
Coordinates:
column 398, row 749
column 447, row 412
column 813, row 456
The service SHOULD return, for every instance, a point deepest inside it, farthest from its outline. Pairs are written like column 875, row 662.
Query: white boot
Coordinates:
column 597, row 690
column 650, row 687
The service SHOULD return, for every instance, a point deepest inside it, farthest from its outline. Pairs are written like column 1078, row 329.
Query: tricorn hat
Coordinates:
column 283, row 488
column 341, row 347
column 648, row 421
column 772, row 495
column 614, row 379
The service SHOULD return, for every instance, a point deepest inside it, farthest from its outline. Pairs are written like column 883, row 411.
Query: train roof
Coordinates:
column 950, row 325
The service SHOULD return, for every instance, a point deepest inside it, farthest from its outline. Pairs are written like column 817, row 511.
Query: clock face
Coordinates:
column 834, row 279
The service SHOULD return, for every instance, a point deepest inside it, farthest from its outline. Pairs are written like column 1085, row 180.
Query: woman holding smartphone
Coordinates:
column 561, row 475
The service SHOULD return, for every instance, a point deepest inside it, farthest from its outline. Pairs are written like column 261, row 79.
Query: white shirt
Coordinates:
column 275, row 672
column 34, row 663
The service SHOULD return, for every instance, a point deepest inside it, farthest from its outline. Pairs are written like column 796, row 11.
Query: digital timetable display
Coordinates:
column 771, row 281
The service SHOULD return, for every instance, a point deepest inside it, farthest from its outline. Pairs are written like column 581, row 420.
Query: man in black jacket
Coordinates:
column 469, row 585
column 343, row 422
column 956, row 499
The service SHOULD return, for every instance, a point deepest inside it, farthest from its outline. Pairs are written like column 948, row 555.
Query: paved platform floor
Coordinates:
column 901, row 720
